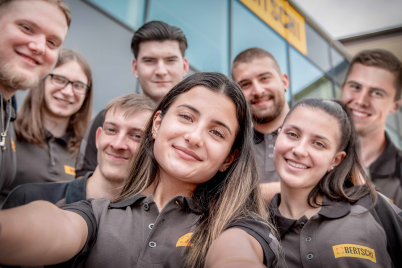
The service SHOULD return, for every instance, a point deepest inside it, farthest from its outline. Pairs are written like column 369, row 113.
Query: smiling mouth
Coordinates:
column 261, row 101
column 296, row 165
column 359, row 114
column 117, row 157
column 29, row 59
column 186, row 154
column 62, row 101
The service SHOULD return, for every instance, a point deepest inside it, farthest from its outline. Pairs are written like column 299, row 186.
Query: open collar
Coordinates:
column 76, row 190
column 385, row 164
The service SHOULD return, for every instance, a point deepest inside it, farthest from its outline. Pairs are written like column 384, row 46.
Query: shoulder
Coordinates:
column 261, row 231
column 30, row 192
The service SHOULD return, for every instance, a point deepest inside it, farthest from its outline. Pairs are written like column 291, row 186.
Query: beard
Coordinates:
column 13, row 79
column 269, row 114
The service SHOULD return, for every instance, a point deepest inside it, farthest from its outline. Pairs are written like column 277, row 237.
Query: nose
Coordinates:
column 257, row 89
column 161, row 68
column 68, row 90
column 362, row 98
column 38, row 46
column 194, row 137
column 300, row 149
column 119, row 142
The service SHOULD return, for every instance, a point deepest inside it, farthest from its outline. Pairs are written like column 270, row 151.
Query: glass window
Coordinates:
column 206, row 26
column 249, row 31
column 317, row 49
column 306, row 79
column 341, row 66
column 130, row 12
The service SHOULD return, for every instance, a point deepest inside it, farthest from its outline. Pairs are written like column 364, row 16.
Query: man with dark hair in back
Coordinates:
column 372, row 90
column 159, row 64
column 31, row 34
column 264, row 86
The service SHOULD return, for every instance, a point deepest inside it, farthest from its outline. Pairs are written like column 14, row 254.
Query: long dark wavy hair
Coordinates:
column 227, row 196
column 348, row 180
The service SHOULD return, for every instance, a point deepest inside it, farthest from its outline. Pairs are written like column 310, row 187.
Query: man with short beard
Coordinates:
column 32, row 33
column 264, row 86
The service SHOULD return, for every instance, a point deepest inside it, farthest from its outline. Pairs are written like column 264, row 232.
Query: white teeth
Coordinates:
column 62, row 101
column 359, row 114
column 293, row 164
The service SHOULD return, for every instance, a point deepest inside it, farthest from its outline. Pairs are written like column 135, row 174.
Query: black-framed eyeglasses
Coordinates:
column 62, row 82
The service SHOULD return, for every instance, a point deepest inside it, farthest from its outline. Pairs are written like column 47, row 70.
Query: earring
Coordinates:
column 332, row 168
column 153, row 134
column 136, row 76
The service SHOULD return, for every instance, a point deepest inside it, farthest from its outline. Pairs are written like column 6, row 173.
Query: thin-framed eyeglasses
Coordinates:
column 61, row 82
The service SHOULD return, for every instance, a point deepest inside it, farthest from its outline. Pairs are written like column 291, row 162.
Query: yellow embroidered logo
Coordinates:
column 183, row 241
column 69, row 170
column 357, row 251
column 13, row 145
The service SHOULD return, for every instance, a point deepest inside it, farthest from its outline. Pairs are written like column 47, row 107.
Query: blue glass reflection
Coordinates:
column 205, row 24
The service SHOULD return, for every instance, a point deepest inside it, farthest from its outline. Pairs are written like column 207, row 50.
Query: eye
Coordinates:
column 52, row 44
column 319, row 144
column 265, row 78
column 186, row 117
column 217, row 133
column 244, row 85
column 26, row 28
column 136, row 136
column 110, row 130
column 292, row 134
column 377, row 93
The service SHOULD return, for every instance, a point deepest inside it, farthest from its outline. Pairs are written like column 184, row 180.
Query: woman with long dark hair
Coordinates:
column 51, row 122
column 326, row 213
column 193, row 187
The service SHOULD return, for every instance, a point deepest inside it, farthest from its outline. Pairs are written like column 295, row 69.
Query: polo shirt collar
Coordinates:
column 65, row 138
column 259, row 137
column 6, row 108
column 332, row 210
column 76, row 190
column 385, row 164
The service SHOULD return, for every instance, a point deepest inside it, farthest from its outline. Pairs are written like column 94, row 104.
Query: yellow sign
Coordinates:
column 283, row 19
column 69, row 170
column 13, row 145
column 183, row 241
column 357, row 251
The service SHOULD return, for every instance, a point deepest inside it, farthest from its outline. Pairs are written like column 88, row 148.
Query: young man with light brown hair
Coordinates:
column 372, row 90
column 264, row 86
column 32, row 33
column 117, row 141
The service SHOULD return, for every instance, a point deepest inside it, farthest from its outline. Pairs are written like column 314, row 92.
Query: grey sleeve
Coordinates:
column 261, row 232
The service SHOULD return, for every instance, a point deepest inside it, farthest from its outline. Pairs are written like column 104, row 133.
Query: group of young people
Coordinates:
column 204, row 171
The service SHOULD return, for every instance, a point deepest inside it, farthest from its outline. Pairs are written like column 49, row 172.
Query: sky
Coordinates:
column 345, row 18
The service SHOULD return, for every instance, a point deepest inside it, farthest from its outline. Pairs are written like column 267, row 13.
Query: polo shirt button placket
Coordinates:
column 308, row 239
column 302, row 224
column 145, row 206
column 152, row 244
column 270, row 137
column 151, row 226
column 309, row 256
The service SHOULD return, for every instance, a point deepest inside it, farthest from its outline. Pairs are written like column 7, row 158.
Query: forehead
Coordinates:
column 254, row 68
column 70, row 67
column 47, row 16
column 372, row 76
column 159, row 49
column 314, row 121
column 120, row 117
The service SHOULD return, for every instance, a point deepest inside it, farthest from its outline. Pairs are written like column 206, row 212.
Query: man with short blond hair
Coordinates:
column 31, row 35
column 372, row 90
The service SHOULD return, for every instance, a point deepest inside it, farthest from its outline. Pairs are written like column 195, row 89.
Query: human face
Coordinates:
column 31, row 35
column 64, row 102
column 159, row 67
column 369, row 93
column 117, row 142
column 194, row 138
column 263, row 86
column 307, row 148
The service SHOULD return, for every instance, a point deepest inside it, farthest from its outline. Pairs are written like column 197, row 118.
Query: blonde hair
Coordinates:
column 29, row 123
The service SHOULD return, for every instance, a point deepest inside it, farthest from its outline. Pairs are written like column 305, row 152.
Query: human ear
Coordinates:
column 285, row 81
column 339, row 156
column 229, row 160
column 156, row 123
column 98, row 132
column 134, row 68
column 396, row 106
column 186, row 66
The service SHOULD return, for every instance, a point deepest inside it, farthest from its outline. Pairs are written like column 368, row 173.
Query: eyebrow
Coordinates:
column 315, row 135
column 198, row 113
column 261, row 74
column 113, row 124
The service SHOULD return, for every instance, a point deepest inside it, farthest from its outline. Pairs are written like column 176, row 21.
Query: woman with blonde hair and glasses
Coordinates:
column 51, row 122
column 192, row 198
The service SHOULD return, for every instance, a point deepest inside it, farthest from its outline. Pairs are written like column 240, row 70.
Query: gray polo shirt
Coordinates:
column 8, row 160
column 264, row 152
column 339, row 235
column 133, row 233
column 50, row 163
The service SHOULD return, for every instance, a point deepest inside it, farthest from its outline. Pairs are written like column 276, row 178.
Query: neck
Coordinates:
column 167, row 188
column 55, row 125
column 6, row 92
column 294, row 203
column 99, row 187
column 372, row 145
column 273, row 125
